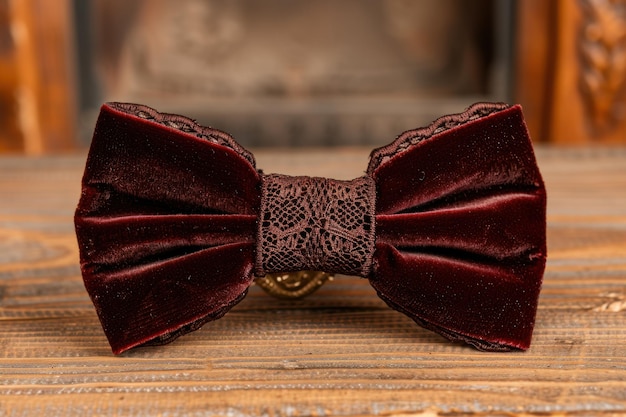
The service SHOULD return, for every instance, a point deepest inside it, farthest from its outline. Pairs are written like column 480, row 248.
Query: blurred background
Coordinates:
column 310, row 73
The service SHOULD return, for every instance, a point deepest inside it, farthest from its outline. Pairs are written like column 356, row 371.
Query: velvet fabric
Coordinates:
column 167, row 226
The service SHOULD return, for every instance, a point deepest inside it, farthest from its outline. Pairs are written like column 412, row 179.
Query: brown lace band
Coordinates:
column 311, row 223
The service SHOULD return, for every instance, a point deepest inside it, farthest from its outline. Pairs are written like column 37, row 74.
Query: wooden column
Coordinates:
column 38, row 92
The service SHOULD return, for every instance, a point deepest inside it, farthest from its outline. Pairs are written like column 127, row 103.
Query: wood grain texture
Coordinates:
column 339, row 352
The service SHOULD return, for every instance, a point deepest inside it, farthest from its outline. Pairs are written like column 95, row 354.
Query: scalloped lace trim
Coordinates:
column 185, row 124
column 410, row 138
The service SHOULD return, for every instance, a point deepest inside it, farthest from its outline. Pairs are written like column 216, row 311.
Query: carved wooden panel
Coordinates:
column 602, row 52
column 572, row 69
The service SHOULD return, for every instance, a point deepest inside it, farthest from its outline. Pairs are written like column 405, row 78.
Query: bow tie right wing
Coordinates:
column 166, row 224
column 461, row 242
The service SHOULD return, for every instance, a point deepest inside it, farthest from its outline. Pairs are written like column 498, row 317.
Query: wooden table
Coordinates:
column 339, row 352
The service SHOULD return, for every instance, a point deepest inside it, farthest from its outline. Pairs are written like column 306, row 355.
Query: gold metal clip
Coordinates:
column 293, row 285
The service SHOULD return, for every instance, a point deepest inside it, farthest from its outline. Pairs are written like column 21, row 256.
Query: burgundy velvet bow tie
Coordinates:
column 448, row 224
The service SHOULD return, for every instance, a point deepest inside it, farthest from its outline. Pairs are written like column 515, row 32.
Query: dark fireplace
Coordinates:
column 297, row 72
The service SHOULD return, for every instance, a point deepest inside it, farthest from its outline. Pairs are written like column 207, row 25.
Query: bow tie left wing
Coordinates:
column 163, row 200
column 461, row 242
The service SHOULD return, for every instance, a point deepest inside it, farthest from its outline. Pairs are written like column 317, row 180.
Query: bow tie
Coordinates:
column 448, row 224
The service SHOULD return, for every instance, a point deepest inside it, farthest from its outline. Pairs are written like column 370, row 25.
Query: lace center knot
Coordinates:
column 312, row 223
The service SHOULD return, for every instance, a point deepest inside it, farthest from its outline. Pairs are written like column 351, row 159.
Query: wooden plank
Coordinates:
column 534, row 53
column 340, row 351
column 11, row 139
